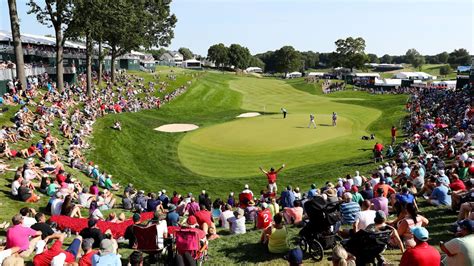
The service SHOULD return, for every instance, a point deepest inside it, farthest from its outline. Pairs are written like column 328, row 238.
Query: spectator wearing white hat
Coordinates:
column 247, row 190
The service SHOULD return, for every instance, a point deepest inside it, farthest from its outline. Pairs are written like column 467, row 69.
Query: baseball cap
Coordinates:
column 467, row 224
column 420, row 233
column 191, row 220
column 295, row 256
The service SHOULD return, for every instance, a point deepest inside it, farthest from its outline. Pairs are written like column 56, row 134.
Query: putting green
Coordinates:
column 240, row 146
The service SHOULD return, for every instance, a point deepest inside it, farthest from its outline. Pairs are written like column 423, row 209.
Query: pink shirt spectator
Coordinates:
column 18, row 236
column 381, row 203
column 192, row 208
column 294, row 215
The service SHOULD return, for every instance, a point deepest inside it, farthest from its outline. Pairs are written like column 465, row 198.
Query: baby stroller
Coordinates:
column 187, row 240
column 367, row 246
column 318, row 234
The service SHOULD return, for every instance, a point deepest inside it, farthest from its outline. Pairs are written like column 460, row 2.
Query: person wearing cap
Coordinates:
column 87, row 252
column 19, row 236
column 247, row 190
column 106, row 255
column 356, row 196
column 264, row 217
column 129, row 234
column 272, row 178
column 440, row 195
column 237, row 222
column 250, row 212
column 46, row 256
column 349, row 209
column 275, row 236
column 165, row 200
column 422, row 254
column 172, row 217
column 92, row 231
column 287, row 197
column 460, row 250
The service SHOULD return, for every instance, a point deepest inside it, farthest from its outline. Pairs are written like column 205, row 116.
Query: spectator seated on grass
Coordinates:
column 421, row 253
column 460, row 250
column 410, row 220
column 237, row 222
column 19, row 236
column 275, row 236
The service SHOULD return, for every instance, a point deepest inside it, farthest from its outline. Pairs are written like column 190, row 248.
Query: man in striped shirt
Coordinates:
column 349, row 209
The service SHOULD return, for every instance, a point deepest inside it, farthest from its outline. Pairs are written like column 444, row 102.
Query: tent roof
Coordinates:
column 38, row 39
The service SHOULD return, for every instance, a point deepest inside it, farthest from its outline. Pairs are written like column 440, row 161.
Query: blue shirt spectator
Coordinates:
column 440, row 196
column 287, row 198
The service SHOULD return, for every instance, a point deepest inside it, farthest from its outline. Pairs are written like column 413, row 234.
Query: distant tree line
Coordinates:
column 349, row 53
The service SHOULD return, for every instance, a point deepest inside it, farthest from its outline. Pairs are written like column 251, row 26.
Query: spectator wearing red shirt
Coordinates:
column 86, row 259
column 378, row 148
column 204, row 219
column 45, row 257
column 394, row 134
column 387, row 189
column 264, row 217
column 422, row 254
column 272, row 178
column 60, row 177
column 458, row 189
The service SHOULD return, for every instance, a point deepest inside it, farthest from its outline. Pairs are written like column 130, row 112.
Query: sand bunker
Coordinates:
column 251, row 114
column 176, row 128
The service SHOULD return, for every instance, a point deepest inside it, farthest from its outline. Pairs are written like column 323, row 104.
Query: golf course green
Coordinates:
column 241, row 145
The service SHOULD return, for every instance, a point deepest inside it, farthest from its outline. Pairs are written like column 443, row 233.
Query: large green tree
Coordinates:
column 287, row 59
column 443, row 57
column 219, row 54
column 239, row 56
column 135, row 24
column 310, row 58
column 414, row 58
column 373, row 58
column 256, row 62
column 57, row 14
column 15, row 26
column 187, row 54
column 386, row 58
column 351, row 52
column 459, row 57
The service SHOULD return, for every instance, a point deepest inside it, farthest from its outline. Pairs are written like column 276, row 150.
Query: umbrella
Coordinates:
column 430, row 126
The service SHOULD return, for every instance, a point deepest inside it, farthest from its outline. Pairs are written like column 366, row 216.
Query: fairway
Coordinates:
column 238, row 147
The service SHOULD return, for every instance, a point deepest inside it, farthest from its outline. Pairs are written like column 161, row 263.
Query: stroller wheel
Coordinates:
column 303, row 244
column 316, row 250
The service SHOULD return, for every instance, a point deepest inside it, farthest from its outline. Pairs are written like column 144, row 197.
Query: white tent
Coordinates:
column 377, row 75
column 295, row 74
column 315, row 74
column 254, row 70
column 192, row 63
column 414, row 75
column 388, row 82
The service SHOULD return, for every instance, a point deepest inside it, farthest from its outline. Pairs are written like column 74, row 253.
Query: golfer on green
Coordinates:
column 311, row 121
column 283, row 110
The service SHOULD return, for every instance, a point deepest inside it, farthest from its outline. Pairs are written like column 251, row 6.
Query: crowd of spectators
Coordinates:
column 434, row 165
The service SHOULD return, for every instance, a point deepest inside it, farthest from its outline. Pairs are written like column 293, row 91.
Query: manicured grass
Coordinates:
column 151, row 159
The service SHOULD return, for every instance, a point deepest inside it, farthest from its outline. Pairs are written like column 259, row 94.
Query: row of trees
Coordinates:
column 235, row 55
column 122, row 25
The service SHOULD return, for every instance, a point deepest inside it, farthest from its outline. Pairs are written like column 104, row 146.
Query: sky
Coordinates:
column 388, row 26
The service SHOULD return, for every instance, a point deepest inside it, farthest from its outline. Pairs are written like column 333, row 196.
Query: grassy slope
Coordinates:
column 132, row 164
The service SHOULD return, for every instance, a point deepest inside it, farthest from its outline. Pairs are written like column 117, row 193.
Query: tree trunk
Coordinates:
column 15, row 25
column 112, row 66
column 89, row 64
column 99, row 59
column 59, row 59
